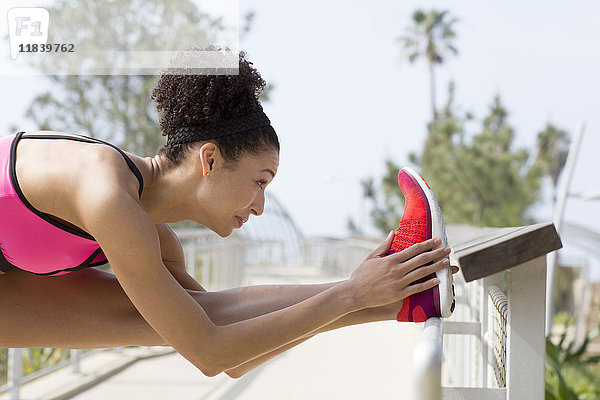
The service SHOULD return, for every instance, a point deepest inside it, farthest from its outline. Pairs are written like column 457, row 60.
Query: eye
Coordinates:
column 261, row 183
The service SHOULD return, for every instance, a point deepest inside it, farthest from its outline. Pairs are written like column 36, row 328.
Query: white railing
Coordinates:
column 216, row 262
column 494, row 343
column 427, row 362
column 338, row 257
column 484, row 345
column 497, row 336
column 16, row 379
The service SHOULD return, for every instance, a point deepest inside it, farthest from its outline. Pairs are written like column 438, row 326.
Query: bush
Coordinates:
column 571, row 374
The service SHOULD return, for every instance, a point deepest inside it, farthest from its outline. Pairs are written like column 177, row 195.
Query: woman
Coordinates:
column 68, row 203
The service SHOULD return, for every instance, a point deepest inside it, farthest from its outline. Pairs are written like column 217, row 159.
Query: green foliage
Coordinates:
column 553, row 148
column 35, row 359
column 477, row 179
column 563, row 294
column 3, row 366
column 571, row 374
column 481, row 181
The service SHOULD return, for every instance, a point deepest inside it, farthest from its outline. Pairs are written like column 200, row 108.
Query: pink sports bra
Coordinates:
column 32, row 240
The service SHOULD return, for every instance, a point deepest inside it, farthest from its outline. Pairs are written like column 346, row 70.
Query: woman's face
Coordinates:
column 236, row 194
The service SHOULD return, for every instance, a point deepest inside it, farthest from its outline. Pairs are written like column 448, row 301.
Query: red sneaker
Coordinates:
column 422, row 220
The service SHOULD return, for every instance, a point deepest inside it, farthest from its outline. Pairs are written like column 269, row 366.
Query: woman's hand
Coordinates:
column 381, row 279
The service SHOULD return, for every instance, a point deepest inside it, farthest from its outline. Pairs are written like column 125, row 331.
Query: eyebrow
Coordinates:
column 271, row 172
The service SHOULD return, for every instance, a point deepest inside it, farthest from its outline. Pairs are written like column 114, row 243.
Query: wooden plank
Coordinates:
column 485, row 251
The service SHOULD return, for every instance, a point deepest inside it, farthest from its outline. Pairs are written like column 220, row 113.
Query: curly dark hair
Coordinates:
column 184, row 100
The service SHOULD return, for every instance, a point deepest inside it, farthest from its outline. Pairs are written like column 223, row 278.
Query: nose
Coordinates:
column 258, row 206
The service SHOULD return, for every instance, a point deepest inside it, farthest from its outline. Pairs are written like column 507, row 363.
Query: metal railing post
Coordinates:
column 559, row 208
column 427, row 362
column 75, row 355
column 526, row 343
column 15, row 370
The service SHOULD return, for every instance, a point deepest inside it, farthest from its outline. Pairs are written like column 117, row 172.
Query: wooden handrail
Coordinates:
column 481, row 252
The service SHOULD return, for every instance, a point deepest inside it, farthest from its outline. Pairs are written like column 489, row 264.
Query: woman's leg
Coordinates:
column 89, row 309
column 83, row 309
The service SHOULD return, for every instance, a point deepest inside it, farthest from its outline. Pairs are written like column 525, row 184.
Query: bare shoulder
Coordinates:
column 107, row 191
column 64, row 177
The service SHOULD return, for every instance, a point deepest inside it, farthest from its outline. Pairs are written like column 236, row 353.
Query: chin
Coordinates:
column 224, row 233
column 220, row 230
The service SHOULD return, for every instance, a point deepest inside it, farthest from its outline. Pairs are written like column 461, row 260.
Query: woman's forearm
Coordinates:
column 384, row 313
column 248, row 366
column 228, row 306
column 239, row 342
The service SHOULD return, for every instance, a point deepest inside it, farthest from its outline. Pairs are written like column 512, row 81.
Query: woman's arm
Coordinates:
column 174, row 259
column 131, row 243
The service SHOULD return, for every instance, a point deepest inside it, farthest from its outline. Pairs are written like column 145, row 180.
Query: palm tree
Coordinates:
column 552, row 150
column 431, row 37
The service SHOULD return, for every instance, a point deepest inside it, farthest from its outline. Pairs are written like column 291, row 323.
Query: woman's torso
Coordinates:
column 50, row 173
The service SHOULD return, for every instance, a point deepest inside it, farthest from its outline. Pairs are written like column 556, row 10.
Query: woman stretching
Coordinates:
column 69, row 202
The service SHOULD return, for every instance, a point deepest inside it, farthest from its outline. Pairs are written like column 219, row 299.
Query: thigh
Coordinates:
column 83, row 309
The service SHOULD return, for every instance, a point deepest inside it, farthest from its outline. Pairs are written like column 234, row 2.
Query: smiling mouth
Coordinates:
column 240, row 221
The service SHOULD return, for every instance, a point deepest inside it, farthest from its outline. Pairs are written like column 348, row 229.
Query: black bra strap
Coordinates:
column 5, row 266
column 83, row 265
column 87, row 139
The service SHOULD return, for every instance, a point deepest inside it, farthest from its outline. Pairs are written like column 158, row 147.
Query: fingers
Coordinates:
column 420, row 287
column 422, row 272
column 424, row 259
column 454, row 269
column 383, row 248
column 416, row 249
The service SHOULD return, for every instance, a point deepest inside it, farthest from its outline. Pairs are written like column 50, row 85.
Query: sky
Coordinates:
column 344, row 100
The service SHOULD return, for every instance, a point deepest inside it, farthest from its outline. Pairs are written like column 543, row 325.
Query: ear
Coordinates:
column 209, row 154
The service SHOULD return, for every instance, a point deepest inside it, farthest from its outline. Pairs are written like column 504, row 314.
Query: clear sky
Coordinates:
column 343, row 100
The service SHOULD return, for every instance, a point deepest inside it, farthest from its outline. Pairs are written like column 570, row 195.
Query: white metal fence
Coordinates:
column 493, row 346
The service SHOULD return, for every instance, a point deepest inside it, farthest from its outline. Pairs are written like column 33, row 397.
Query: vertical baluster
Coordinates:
column 75, row 355
column 15, row 371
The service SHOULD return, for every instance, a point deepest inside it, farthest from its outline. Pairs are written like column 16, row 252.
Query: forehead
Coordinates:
column 266, row 159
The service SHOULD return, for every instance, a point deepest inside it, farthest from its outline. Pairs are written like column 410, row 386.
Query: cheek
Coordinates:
column 241, row 197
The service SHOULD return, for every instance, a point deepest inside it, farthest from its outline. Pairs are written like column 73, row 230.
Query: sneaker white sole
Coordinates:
column 438, row 229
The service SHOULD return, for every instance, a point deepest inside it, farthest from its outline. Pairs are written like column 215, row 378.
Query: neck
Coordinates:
column 166, row 195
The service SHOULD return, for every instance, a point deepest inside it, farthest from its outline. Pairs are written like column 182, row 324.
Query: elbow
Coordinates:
column 212, row 362
column 209, row 367
column 235, row 374
column 210, row 372
column 214, row 370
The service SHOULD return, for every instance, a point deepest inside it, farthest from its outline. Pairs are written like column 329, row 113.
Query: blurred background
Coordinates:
column 484, row 99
